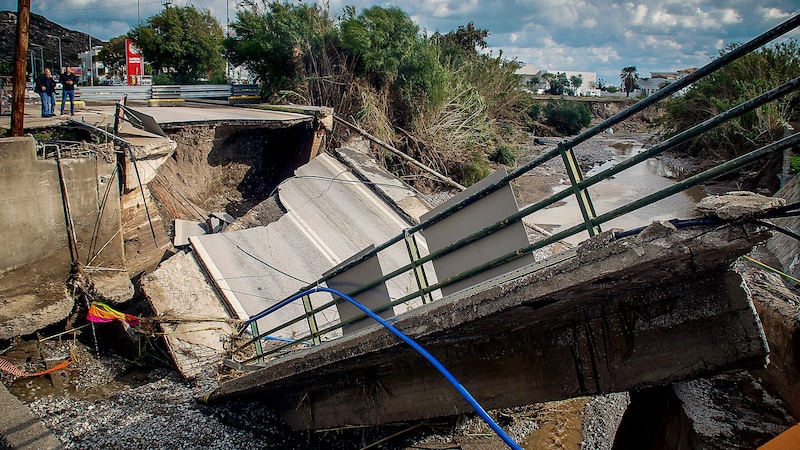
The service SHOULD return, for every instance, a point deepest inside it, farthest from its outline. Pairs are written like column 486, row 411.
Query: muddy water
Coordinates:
column 629, row 185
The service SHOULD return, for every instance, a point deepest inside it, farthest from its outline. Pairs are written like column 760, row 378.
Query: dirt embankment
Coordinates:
column 641, row 122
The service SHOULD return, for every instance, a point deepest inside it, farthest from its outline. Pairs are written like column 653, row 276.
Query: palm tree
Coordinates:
column 629, row 77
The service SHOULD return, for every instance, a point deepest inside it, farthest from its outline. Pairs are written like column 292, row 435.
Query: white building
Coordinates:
column 658, row 80
column 529, row 72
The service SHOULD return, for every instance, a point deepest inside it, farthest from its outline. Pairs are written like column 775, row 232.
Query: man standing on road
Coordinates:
column 68, row 80
column 46, row 88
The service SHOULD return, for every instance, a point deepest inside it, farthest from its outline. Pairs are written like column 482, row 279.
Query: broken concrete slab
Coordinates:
column 197, row 328
column 388, row 186
column 184, row 229
column 343, row 217
column 330, row 217
column 578, row 324
column 255, row 268
column 20, row 429
column 786, row 248
column 146, row 241
column 223, row 216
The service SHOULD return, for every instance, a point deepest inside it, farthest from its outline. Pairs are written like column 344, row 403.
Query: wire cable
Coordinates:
column 431, row 359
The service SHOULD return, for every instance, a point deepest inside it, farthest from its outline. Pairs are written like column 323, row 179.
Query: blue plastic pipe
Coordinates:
column 443, row 370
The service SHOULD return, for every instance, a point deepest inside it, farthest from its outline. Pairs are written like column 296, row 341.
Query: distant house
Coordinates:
column 530, row 72
column 657, row 80
column 649, row 86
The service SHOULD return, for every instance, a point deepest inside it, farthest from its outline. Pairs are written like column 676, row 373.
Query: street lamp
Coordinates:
column 60, row 61
column 41, row 55
column 91, row 59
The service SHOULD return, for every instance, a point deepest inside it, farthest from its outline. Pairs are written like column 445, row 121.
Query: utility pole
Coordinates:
column 20, row 57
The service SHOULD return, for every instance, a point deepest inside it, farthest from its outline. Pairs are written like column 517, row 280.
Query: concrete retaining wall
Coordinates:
column 35, row 260
column 31, row 216
column 785, row 248
column 32, row 219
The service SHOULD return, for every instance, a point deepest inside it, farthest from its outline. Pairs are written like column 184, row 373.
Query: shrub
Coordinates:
column 503, row 155
column 794, row 165
column 162, row 79
column 739, row 81
column 567, row 117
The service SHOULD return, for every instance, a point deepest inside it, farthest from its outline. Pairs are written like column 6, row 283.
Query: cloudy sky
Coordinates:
column 597, row 36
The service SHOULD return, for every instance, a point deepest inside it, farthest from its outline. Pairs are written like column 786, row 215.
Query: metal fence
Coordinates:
column 579, row 187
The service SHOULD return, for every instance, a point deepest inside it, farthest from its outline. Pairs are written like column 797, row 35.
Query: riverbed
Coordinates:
column 595, row 156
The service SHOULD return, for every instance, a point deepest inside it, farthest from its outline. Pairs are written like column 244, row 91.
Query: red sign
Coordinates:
column 134, row 62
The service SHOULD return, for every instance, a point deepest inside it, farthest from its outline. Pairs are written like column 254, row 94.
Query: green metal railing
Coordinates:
column 578, row 187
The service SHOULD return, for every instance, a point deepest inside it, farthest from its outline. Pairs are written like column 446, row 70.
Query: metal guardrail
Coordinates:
column 165, row 92
column 579, row 187
column 246, row 90
column 205, row 90
column 185, row 91
column 112, row 93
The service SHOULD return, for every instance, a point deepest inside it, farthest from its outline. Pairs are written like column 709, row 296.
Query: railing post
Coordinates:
column 417, row 269
column 312, row 320
column 257, row 342
column 582, row 195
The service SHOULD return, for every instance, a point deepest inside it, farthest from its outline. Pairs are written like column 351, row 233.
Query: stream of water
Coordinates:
column 629, row 185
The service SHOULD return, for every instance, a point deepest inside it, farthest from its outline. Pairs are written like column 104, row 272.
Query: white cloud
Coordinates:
column 773, row 14
column 596, row 35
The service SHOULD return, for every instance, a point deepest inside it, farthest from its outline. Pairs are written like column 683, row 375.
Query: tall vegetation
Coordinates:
column 182, row 43
column 735, row 83
column 567, row 117
column 437, row 98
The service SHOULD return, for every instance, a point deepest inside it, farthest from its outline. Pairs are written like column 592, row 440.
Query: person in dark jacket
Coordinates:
column 46, row 87
column 68, row 81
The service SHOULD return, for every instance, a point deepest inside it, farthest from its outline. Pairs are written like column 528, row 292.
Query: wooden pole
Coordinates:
column 20, row 61
column 397, row 152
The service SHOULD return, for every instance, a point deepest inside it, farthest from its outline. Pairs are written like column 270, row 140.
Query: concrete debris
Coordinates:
column 196, row 327
column 683, row 316
column 737, row 205
column 184, row 229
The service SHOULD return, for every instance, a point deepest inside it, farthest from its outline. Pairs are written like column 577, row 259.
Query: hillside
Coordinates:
column 72, row 42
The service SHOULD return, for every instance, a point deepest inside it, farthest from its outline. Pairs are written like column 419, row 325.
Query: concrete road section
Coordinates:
column 331, row 216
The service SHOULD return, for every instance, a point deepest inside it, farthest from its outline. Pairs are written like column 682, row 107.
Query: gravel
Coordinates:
column 108, row 402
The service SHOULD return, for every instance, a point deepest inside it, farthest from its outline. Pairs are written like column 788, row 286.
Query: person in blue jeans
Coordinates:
column 46, row 87
column 68, row 80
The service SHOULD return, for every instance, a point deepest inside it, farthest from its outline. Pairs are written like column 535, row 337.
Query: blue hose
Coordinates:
column 449, row 376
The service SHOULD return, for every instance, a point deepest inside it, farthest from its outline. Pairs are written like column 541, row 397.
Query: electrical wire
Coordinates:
column 431, row 359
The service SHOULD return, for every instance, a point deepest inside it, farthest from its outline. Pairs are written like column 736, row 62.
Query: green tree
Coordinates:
column 628, row 78
column 113, row 55
column 557, row 83
column 576, row 81
column 183, row 42
column 280, row 43
column 461, row 43
column 383, row 39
